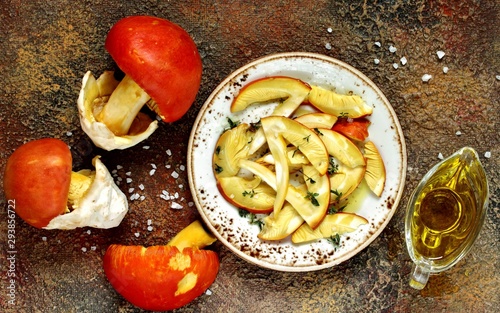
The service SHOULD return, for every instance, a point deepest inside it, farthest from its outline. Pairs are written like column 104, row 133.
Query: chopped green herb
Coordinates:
column 250, row 193
column 306, row 138
column 217, row 150
column 295, row 151
column 312, row 196
column 335, row 240
column 232, row 124
column 318, row 131
column 332, row 167
column 218, row 169
column 343, row 114
column 252, row 218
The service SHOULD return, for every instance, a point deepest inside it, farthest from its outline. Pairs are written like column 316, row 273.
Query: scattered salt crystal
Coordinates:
column 440, row 156
column 44, row 238
column 164, row 197
column 440, row 54
column 150, row 221
column 137, row 234
column 458, row 133
column 153, row 165
column 150, row 228
column 130, row 190
column 141, row 187
column 190, row 204
column 329, row 29
column 129, row 180
column 69, row 134
column 376, row 61
column 128, row 173
column 146, row 147
column 114, row 171
column 88, row 232
column 445, row 69
column 142, row 198
column 403, row 61
column 175, row 174
column 84, row 249
column 176, row 195
column 119, row 167
column 176, row 206
column 378, row 44
column 151, row 173
column 426, row 77
column 395, row 65
column 181, row 186
column 93, row 248
column 328, row 46
column 164, row 192
column 497, row 77
column 119, row 178
column 168, row 152
column 487, row 154
column 208, row 292
column 392, row 49
column 168, row 165
column 182, row 167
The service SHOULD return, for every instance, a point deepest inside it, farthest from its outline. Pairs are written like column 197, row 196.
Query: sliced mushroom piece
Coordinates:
column 317, row 120
column 281, row 226
column 346, row 179
column 375, row 169
column 231, row 146
column 252, row 195
column 331, row 102
column 342, row 148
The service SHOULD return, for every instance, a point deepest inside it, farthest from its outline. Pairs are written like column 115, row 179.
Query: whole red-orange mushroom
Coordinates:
column 162, row 69
column 161, row 278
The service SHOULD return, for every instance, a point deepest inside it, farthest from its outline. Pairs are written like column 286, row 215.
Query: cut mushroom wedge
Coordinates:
column 250, row 194
column 293, row 90
column 317, row 120
column 93, row 94
column 345, row 179
column 338, row 223
column 230, row 148
column 276, row 130
column 101, row 205
column 375, row 169
column 281, row 226
column 295, row 159
column 342, row 148
column 331, row 102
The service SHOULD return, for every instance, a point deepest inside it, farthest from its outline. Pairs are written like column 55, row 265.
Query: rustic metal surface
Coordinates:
column 48, row 46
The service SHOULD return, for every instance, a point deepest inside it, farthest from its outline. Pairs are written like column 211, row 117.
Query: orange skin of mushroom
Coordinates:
column 37, row 178
column 148, row 277
column 161, row 58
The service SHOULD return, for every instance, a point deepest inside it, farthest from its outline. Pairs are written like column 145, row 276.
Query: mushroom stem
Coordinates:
column 79, row 184
column 192, row 236
column 123, row 106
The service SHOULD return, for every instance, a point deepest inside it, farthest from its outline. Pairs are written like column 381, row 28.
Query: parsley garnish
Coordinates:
column 250, row 193
column 332, row 167
column 232, row 124
column 312, row 196
column 318, row 131
column 335, row 240
column 218, row 169
column 252, row 218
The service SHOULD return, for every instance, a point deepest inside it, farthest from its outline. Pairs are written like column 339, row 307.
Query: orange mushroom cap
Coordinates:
column 161, row 58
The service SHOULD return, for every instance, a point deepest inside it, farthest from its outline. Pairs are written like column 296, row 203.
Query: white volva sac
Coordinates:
column 103, row 206
column 97, row 131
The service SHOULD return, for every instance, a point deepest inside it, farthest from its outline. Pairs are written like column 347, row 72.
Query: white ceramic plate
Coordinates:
column 223, row 219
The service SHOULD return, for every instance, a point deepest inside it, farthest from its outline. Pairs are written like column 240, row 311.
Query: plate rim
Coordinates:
column 398, row 130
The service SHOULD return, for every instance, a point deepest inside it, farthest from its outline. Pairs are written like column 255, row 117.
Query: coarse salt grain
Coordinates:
column 146, row 147
column 93, row 248
column 440, row 156
column 392, row 49
column 153, row 165
column 403, row 61
column 378, row 44
column 114, row 171
column 149, row 222
column 329, row 29
column 84, row 249
column 119, row 179
column 175, row 206
column 175, row 174
column 190, row 204
column 445, row 69
column 142, row 198
column 208, row 292
column 69, row 134
column 44, row 238
column 176, row 195
column 129, row 180
column 88, row 232
column 151, row 173
column 426, row 77
column 137, row 234
column 440, row 54
column 182, row 167
column 376, row 61
column 150, row 228
column 328, row 46
column 128, row 173
column 168, row 152
column 119, row 167
column 458, row 133
column 395, row 65
column 497, row 77
column 130, row 190
column 487, row 154
column 181, row 186
column 141, row 187
column 168, row 165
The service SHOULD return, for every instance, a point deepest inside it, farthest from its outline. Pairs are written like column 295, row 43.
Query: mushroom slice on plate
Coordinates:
column 375, row 169
column 331, row 102
column 252, row 195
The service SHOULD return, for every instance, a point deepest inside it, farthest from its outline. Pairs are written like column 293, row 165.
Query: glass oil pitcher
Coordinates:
column 445, row 214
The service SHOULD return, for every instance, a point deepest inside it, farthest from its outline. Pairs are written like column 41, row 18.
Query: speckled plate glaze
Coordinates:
column 223, row 219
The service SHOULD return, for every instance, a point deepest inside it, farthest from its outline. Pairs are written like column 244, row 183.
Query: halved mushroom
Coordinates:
column 375, row 169
column 161, row 278
column 338, row 223
column 252, row 195
column 331, row 102
column 162, row 67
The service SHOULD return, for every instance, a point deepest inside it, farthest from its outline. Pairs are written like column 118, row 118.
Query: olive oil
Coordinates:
column 445, row 214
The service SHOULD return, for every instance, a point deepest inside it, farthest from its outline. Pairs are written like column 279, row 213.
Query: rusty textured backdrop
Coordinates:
column 47, row 46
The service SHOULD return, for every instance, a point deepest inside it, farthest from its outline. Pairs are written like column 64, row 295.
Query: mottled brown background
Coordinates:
column 47, row 46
